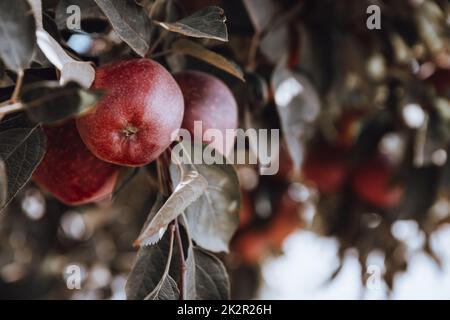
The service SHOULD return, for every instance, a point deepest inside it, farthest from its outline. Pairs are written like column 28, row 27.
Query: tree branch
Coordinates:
column 16, row 92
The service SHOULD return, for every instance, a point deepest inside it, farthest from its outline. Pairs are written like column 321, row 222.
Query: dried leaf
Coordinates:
column 214, row 217
column 189, row 189
column 71, row 69
column 208, row 23
column 195, row 50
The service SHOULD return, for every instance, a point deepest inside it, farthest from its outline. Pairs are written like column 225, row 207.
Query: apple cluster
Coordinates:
column 130, row 126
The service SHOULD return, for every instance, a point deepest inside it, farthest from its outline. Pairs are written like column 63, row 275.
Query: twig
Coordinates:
column 161, row 54
column 252, row 52
column 284, row 18
column 158, row 41
column 16, row 92
column 166, row 186
column 182, row 261
column 163, row 176
column 419, row 145
column 9, row 107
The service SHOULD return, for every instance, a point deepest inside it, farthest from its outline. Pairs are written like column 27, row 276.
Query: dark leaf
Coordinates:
column 195, row 50
column 149, row 278
column 21, row 150
column 125, row 177
column 205, row 275
column 211, row 278
column 214, row 217
column 5, row 81
column 48, row 102
column 3, row 184
column 166, row 290
column 130, row 21
column 17, row 34
column 207, row 23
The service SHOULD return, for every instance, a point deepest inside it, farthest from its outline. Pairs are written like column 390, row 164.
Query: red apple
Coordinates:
column 209, row 100
column 133, row 123
column 70, row 171
column 373, row 183
column 325, row 166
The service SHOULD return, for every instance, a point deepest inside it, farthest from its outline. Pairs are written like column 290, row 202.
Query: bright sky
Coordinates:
column 309, row 260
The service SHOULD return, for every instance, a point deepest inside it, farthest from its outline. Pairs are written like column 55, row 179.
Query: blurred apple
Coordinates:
column 325, row 167
column 373, row 183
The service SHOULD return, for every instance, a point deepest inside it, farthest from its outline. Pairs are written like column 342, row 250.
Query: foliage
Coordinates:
column 309, row 68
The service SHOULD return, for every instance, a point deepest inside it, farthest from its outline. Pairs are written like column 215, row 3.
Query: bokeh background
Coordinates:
column 364, row 169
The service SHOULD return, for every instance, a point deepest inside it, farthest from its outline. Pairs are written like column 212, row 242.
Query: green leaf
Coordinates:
column 21, row 150
column 207, row 23
column 130, row 22
column 214, row 217
column 17, row 34
column 195, row 50
column 48, row 102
